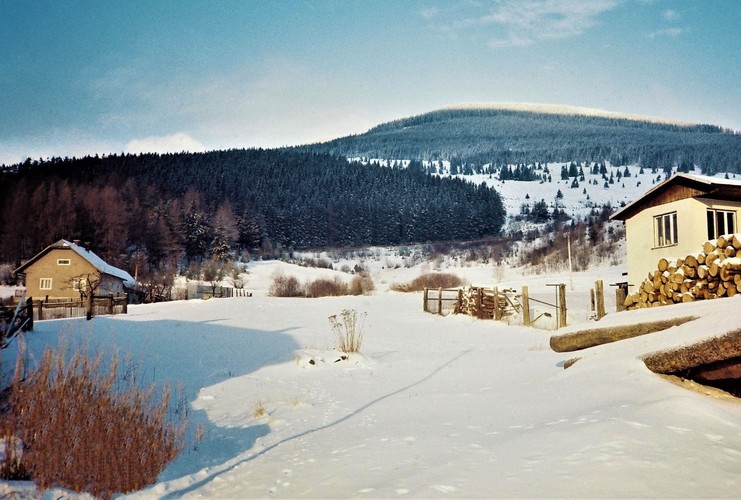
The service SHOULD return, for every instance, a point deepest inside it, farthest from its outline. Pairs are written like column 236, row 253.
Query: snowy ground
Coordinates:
column 431, row 407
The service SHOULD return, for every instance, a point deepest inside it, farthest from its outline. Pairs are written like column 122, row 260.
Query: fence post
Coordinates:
column 525, row 306
column 424, row 299
column 497, row 305
column 126, row 304
column 562, row 305
column 29, row 314
column 440, row 301
column 620, row 294
column 41, row 310
column 600, row 297
column 459, row 301
column 110, row 304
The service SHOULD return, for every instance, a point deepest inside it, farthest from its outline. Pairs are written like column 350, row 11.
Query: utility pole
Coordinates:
column 568, row 246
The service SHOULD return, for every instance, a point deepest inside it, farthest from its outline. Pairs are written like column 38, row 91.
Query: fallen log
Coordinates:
column 589, row 338
column 725, row 347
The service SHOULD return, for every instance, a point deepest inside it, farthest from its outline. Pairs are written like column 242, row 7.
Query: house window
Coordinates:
column 45, row 284
column 80, row 284
column 721, row 222
column 63, row 262
column 665, row 230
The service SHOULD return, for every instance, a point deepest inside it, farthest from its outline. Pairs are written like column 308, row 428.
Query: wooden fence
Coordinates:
column 441, row 301
column 63, row 308
column 493, row 303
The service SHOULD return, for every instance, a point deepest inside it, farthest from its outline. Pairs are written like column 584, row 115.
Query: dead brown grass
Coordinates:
column 78, row 432
column 429, row 280
column 589, row 338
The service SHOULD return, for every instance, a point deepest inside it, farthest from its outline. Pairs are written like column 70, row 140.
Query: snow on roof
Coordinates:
column 97, row 262
column 710, row 180
column 706, row 180
column 89, row 256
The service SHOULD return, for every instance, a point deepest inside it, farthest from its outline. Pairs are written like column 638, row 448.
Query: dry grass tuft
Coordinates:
column 77, row 432
column 429, row 280
column 259, row 411
column 349, row 333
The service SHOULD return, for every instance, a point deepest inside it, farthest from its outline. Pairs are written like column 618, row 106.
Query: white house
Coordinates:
column 674, row 218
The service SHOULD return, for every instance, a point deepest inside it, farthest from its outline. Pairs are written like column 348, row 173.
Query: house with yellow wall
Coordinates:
column 64, row 269
column 674, row 218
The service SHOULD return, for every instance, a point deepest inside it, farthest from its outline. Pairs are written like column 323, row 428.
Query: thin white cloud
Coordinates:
column 670, row 15
column 668, row 32
column 518, row 23
column 174, row 143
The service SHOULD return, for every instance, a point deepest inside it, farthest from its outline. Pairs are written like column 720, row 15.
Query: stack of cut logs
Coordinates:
column 481, row 302
column 714, row 272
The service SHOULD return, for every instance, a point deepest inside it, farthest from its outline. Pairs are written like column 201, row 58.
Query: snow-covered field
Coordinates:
column 431, row 407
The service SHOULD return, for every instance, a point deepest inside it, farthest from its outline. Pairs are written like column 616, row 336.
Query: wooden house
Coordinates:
column 675, row 218
column 64, row 270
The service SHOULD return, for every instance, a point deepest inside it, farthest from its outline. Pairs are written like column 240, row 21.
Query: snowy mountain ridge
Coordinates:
column 562, row 109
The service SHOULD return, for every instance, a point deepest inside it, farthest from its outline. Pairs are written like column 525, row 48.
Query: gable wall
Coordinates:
column 61, row 275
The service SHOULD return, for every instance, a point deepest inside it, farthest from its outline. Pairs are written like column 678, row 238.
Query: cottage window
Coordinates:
column 45, row 284
column 80, row 284
column 63, row 262
column 721, row 222
column 665, row 230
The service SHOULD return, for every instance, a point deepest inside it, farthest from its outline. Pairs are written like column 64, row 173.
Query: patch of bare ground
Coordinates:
column 584, row 339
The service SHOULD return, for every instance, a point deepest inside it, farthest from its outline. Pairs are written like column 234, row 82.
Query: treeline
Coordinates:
column 168, row 210
column 477, row 137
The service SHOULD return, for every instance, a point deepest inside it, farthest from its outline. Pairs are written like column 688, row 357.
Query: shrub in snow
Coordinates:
column 285, row 286
column 349, row 333
column 325, row 287
column 73, row 430
column 429, row 280
column 361, row 285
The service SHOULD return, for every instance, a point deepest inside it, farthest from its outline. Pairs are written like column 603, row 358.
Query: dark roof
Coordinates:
column 700, row 185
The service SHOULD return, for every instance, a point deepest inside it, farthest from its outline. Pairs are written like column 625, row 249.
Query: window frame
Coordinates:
column 45, row 281
column 714, row 222
column 663, row 224
column 80, row 284
column 64, row 262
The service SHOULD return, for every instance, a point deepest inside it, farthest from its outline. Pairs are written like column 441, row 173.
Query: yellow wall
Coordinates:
column 692, row 232
column 62, row 276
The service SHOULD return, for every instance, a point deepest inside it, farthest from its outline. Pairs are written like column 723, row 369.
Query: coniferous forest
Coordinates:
column 491, row 136
column 166, row 210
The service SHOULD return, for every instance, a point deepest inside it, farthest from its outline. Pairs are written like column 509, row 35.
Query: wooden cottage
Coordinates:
column 65, row 269
column 674, row 218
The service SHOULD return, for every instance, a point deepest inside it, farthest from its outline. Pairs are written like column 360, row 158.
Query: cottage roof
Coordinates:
column 89, row 256
column 696, row 186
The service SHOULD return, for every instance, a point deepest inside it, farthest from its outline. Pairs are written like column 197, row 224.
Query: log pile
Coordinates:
column 482, row 302
column 714, row 272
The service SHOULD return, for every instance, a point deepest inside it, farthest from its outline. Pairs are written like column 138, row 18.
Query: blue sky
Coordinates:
column 86, row 77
